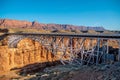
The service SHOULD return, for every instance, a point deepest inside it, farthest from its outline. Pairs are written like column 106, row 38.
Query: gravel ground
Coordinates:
column 70, row 72
column 76, row 72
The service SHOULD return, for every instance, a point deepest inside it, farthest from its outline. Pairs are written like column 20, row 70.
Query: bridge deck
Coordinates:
column 115, row 36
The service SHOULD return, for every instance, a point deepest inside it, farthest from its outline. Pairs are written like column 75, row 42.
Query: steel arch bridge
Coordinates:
column 73, row 48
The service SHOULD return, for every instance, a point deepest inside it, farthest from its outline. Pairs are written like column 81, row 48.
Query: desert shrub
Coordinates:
column 4, row 30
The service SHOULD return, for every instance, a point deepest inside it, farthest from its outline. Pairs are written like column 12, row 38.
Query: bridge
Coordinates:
column 73, row 48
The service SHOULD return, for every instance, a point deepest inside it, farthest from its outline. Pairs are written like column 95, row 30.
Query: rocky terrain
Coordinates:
column 77, row 72
column 8, row 23
column 70, row 72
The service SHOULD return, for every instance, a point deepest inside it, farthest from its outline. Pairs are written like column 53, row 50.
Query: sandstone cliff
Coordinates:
column 27, row 52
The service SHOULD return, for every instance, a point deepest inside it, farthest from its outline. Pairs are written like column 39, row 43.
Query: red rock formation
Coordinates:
column 8, row 23
column 14, row 23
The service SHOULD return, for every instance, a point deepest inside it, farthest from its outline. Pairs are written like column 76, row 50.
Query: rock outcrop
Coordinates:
column 7, row 23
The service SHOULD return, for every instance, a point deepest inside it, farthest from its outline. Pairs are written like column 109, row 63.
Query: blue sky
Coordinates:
column 104, row 13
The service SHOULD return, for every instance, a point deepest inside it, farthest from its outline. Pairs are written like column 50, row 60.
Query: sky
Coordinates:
column 94, row 13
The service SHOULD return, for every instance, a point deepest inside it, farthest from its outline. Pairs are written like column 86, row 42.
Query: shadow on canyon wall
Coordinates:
column 35, row 67
column 3, row 36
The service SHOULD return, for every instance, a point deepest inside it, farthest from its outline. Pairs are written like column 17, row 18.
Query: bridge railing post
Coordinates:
column 104, row 49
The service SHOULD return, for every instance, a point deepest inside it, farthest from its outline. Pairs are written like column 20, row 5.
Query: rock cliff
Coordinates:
column 27, row 52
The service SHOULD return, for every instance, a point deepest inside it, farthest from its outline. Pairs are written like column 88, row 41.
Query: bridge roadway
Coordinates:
column 111, row 36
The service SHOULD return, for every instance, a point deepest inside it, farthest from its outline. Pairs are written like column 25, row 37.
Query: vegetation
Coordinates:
column 24, row 30
column 118, row 32
column 4, row 30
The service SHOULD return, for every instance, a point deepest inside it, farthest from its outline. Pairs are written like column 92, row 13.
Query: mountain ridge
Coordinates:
column 10, row 23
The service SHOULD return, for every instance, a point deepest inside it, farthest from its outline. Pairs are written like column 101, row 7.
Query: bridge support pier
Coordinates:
column 98, row 47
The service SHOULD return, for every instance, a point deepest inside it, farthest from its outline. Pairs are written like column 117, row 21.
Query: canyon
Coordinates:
column 30, row 55
column 29, row 52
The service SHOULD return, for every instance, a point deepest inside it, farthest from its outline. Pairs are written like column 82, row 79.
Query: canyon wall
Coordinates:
column 27, row 52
